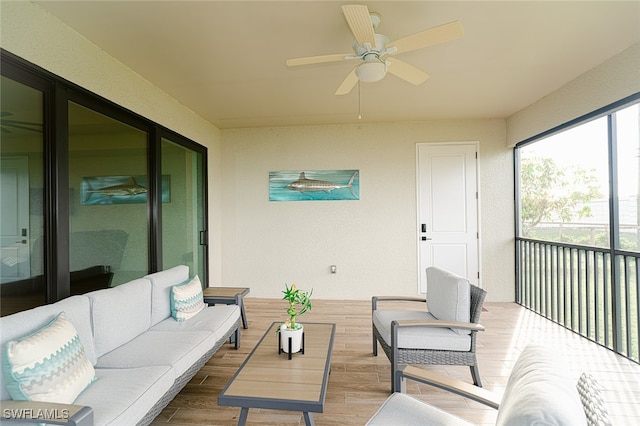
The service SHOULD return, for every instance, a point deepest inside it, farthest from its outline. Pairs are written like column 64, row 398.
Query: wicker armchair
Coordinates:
column 442, row 334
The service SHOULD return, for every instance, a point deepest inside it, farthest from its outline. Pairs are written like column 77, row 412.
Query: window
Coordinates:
column 564, row 186
column 578, row 233
column 627, row 136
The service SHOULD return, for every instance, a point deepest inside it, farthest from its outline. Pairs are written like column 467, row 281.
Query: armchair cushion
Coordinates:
column 403, row 409
column 420, row 337
column 448, row 296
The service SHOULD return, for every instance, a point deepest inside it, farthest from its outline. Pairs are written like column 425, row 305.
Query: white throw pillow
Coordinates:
column 49, row 365
column 186, row 299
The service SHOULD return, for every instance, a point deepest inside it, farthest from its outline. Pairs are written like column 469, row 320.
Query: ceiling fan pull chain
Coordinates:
column 359, row 103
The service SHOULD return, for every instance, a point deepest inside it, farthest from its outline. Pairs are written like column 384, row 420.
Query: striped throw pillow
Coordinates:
column 49, row 365
column 186, row 299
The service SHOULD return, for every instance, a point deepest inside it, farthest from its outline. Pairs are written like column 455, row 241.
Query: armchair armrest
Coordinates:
column 48, row 412
column 376, row 299
column 439, row 324
column 450, row 384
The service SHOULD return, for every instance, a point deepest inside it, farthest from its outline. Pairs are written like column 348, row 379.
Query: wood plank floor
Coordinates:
column 359, row 382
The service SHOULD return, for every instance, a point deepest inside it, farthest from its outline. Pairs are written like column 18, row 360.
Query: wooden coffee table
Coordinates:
column 270, row 380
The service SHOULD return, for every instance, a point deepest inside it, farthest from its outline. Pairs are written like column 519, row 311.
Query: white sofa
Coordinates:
column 141, row 355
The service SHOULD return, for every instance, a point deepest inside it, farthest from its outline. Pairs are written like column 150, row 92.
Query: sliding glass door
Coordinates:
column 92, row 195
column 21, row 197
column 183, row 200
column 108, row 201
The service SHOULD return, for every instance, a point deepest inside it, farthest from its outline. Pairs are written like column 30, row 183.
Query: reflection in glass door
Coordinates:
column 108, row 213
column 183, row 232
column 21, row 197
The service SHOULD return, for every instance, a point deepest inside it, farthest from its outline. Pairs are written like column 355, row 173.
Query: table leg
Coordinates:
column 308, row 418
column 243, row 314
column 242, row 420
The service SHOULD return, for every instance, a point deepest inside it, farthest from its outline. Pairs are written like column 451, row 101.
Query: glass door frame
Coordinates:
column 57, row 93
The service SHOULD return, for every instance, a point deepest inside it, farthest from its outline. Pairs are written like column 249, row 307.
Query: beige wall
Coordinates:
column 605, row 84
column 372, row 241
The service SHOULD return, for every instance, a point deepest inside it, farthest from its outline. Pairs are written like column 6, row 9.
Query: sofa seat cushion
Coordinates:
column 49, row 365
column 179, row 350
column 161, row 283
column 218, row 319
column 402, row 409
column 120, row 314
column 539, row 392
column 419, row 337
column 124, row 396
column 448, row 296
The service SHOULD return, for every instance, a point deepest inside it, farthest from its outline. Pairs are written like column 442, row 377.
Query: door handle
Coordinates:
column 22, row 242
column 426, row 239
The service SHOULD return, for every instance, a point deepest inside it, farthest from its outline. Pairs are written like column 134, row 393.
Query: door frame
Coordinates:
column 476, row 144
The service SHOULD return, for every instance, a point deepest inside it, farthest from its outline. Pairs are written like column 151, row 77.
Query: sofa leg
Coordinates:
column 475, row 373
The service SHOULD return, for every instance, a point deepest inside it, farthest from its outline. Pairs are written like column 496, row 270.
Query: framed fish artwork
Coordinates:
column 314, row 185
column 119, row 189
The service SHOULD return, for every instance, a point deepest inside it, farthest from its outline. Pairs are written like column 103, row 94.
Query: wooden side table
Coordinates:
column 228, row 296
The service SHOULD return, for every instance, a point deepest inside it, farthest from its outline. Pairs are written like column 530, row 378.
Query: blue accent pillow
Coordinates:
column 186, row 299
column 49, row 365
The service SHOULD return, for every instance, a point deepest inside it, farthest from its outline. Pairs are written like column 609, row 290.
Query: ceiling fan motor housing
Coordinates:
column 381, row 41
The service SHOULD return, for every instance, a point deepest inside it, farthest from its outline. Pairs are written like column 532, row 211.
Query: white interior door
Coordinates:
column 14, row 219
column 448, row 209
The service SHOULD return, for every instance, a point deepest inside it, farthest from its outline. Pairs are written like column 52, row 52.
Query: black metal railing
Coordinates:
column 592, row 291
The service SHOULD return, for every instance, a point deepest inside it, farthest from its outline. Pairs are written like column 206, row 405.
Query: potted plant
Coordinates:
column 299, row 303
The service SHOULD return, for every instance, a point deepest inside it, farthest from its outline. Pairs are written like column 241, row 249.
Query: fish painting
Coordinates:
column 315, row 185
column 129, row 188
column 104, row 194
column 308, row 185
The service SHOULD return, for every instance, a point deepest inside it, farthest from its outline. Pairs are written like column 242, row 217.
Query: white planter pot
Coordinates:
column 296, row 339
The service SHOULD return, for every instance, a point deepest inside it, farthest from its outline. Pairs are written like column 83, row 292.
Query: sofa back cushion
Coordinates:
column 161, row 283
column 18, row 325
column 539, row 392
column 120, row 314
column 448, row 296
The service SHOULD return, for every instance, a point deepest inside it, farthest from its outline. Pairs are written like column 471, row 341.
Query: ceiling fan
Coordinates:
column 374, row 50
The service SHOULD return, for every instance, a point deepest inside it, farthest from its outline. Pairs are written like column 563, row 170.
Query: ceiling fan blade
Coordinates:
column 432, row 36
column 317, row 59
column 359, row 20
column 406, row 72
column 348, row 83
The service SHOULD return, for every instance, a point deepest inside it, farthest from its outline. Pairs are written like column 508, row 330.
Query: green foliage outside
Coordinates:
column 549, row 193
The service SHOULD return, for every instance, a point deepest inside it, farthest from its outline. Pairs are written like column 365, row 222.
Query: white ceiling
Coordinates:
column 225, row 60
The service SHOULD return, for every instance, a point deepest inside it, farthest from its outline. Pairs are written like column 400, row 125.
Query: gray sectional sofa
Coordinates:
column 141, row 355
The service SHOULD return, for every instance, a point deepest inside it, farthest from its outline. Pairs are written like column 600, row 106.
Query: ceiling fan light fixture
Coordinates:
column 369, row 72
